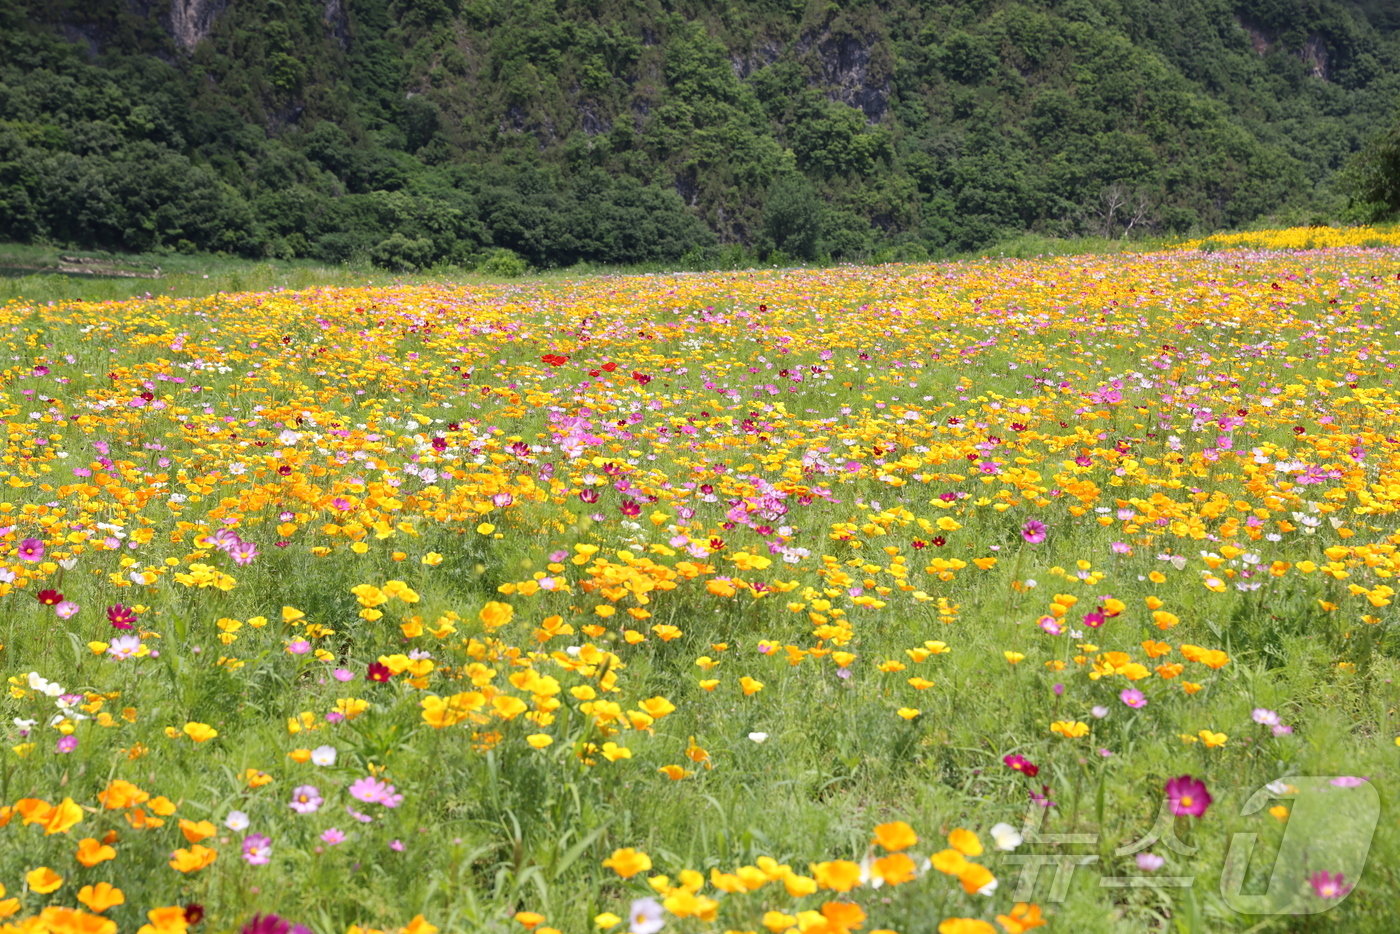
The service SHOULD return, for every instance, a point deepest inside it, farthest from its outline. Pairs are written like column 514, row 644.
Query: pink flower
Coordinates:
column 31, row 549
column 1329, row 885
column 299, row 647
column 67, row 744
column 121, row 617
column 1188, row 796
column 66, row 610
column 306, row 799
column 1347, row 781
column 1133, row 698
column 243, row 553
column 257, row 849
column 1033, row 531
column 333, row 836
column 1150, row 862
column 371, row 790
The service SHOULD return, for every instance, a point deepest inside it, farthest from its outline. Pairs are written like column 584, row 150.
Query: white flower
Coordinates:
column 236, row 821
column 645, row 916
column 323, row 755
column 1005, row 836
column 43, row 685
column 758, row 737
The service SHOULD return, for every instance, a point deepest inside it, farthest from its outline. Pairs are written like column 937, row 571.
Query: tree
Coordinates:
column 1373, row 177
column 792, row 216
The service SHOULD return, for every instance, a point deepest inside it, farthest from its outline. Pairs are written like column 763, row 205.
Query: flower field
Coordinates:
column 969, row 597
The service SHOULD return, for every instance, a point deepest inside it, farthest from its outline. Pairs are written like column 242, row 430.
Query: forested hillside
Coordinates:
column 422, row 132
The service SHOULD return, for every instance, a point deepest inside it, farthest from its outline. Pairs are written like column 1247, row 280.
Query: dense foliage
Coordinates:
column 451, row 131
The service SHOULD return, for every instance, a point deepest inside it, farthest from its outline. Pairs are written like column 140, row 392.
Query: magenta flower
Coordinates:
column 1033, row 531
column 31, row 549
column 1347, row 781
column 120, row 616
column 306, row 799
column 66, row 744
column 333, row 835
column 1133, row 698
column 1188, row 796
column 243, row 553
column 1329, row 885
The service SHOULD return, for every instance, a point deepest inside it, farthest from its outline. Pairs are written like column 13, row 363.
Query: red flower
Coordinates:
column 50, row 597
column 609, row 367
column 554, row 359
column 379, row 672
column 284, row 470
column 1021, row 764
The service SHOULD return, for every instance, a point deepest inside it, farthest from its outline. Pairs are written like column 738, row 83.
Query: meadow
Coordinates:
column 964, row 597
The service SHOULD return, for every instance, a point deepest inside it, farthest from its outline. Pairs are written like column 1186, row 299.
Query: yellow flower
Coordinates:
column 839, row 875
column 193, row 859
column 43, row 880
column 750, row 685
column 965, row 926
column 495, row 614
column 627, row 862
column 1212, row 740
column 539, row 740
column 200, row 732
column 908, row 713
column 1070, row 729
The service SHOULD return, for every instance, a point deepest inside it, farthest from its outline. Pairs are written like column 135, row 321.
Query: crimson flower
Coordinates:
column 50, row 597
column 1021, row 764
column 379, row 672
column 121, row 617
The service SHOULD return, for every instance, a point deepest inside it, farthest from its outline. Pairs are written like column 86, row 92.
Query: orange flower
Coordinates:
column 839, row 875
column 965, row 842
column 196, row 831
column 895, row 869
column 1023, row 918
column 101, row 896
column 895, row 836
column 91, row 852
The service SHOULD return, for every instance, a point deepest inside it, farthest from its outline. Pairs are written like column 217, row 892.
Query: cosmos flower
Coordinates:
column 1187, row 796
column 257, row 849
column 306, row 799
column 1329, row 885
